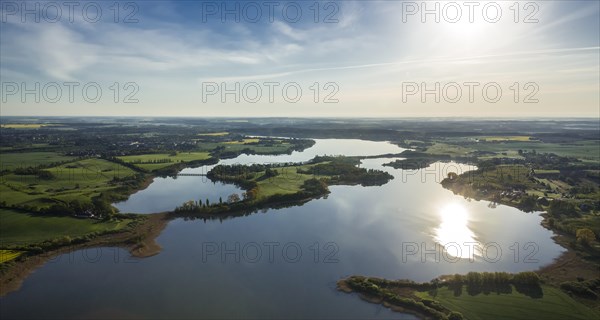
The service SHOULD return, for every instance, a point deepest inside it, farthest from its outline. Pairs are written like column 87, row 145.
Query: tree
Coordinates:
column 585, row 236
column 45, row 175
column 558, row 207
column 528, row 278
column 528, row 203
column 250, row 194
column 455, row 315
column 271, row 173
column 234, row 197
column 452, row 175
column 101, row 207
column 457, row 279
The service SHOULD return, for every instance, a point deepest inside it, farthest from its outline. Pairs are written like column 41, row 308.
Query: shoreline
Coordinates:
column 567, row 266
column 437, row 299
column 140, row 241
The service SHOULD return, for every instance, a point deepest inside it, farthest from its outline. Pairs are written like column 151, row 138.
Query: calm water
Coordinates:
column 165, row 194
column 284, row 263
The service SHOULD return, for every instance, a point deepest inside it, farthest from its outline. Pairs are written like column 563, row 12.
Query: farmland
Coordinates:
column 505, row 138
column 473, row 296
column 79, row 180
column 553, row 304
column 161, row 160
column 23, row 125
column 11, row 161
column 585, row 150
column 244, row 141
column 58, row 185
column 7, row 255
column 214, row 134
column 22, row 229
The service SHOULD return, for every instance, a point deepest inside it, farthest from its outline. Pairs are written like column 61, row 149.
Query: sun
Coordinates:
column 472, row 31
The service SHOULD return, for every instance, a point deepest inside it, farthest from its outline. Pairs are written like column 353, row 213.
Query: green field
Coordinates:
column 505, row 138
column 214, row 134
column 155, row 160
column 508, row 146
column 11, row 161
column 79, row 180
column 22, row 125
column 244, row 141
column 553, row 305
column 7, row 255
column 287, row 182
column 279, row 146
column 18, row 229
column 584, row 150
column 452, row 150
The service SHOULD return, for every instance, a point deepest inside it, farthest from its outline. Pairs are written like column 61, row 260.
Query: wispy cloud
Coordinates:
column 369, row 52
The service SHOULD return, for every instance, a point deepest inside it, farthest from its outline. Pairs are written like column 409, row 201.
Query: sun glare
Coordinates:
column 475, row 32
column 453, row 232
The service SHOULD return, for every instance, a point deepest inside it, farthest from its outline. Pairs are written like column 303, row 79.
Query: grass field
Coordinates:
column 584, row 150
column 257, row 149
column 214, row 134
column 452, row 150
column 18, row 228
column 7, row 255
column 11, row 161
column 22, row 125
column 145, row 161
column 505, row 138
column 79, row 180
column 288, row 181
column 553, row 305
column 244, row 141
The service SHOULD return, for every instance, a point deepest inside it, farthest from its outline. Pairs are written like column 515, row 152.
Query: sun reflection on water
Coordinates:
column 454, row 234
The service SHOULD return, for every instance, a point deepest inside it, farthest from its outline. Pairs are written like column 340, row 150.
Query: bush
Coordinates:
column 454, row 315
column 585, row 236
column 559, row 207
column 583, row 289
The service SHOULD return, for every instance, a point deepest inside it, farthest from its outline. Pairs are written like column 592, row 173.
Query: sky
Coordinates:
column 391, row 59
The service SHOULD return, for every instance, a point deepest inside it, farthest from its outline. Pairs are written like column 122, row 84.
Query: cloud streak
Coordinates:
column 369, row 53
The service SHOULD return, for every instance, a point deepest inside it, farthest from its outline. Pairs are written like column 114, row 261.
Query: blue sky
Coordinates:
column 364, row 58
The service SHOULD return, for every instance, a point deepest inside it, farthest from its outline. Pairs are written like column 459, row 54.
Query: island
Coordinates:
column 280, row 185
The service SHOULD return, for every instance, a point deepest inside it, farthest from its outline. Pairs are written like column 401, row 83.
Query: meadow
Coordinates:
column 586, row 151
column 244, row 141
column 505, row 138
column 22, row 125
column 214, row 134
column 7, row 255
column 249, row 144
column 554, row 304
column 13, row 160
column 155, row 161
column 22, row 229
column 78, row 180
column 288, row 181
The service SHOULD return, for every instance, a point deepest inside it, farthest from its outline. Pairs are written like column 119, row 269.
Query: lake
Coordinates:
column 284, row 263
